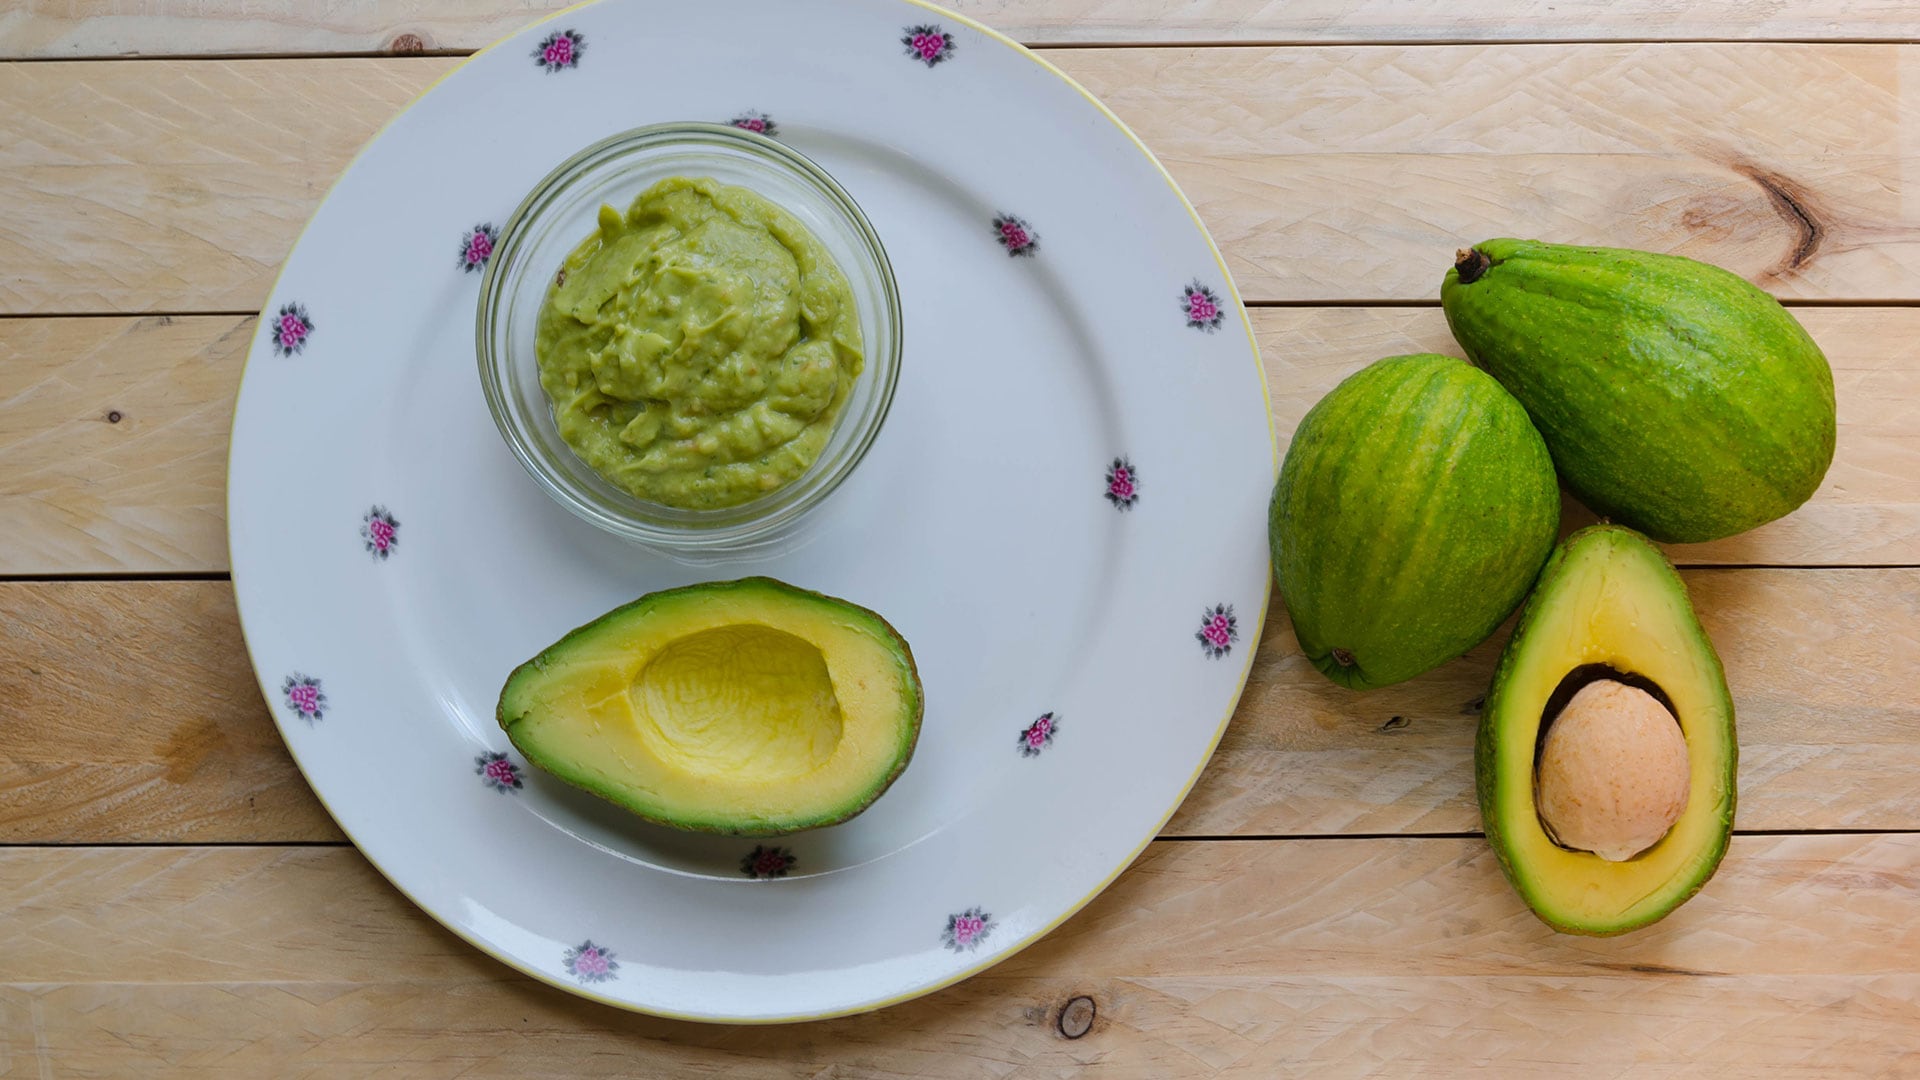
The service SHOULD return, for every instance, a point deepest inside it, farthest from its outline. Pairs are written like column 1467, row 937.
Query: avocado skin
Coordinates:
column 1493, row 719
column 506, row 716
column 1415, row 506
column 1676, row 397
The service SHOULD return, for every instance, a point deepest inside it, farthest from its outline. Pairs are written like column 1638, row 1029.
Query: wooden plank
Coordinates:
column 136, row 718
column 132, row 715
column 81, row 494
column 171, row 187
column 1246, row 959
column 1327, row 173
column 66, row 29
column 113, row 442
column 1828, row 719
column 1356, row 173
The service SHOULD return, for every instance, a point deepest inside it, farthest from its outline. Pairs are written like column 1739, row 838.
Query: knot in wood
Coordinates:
column 1076, row 1017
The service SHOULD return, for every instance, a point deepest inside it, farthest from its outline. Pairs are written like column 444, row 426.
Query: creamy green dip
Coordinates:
column 698, row 348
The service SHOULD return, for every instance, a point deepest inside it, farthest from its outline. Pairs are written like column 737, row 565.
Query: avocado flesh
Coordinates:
column 745, row 707
column 1606, row 597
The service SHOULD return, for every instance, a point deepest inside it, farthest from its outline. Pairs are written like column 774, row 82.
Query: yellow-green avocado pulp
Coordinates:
column 747, row 707
column 698, row 348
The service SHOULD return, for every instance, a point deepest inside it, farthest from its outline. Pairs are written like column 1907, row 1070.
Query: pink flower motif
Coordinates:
column 928, row 44
column 476, row 247
column 290, row 329
column 1218, row 631
column 590, row 963
column 560, row 50
column 498, row 772
column 1202, row 307
column 1015, row 235
column 1123, row 484
column 304, row 697
column 757, row 122
column 967, row 930
column 767, row 862
column 381, row 532
column 1038, row 735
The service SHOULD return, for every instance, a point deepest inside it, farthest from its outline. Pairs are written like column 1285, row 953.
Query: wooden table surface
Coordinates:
column 174, row 902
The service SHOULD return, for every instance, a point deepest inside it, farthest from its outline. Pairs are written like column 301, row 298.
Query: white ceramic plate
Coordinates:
column 1065, row 513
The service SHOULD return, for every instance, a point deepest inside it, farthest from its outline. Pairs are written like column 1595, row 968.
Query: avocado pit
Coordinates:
column 1612, row 776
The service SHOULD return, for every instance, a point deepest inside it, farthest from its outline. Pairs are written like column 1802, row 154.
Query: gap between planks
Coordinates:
column 1034, row 46
column 1175, row 838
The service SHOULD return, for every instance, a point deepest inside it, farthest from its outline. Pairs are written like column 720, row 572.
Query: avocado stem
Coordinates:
column 1471, row 264
column 1343, row 658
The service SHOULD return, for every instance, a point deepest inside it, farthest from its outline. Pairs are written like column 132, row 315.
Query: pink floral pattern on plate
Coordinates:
column 1015, row 235
column 1218, row 631
column 380, row 531
column 497, row 771
column 1123, row 484
column 560, row 49
column 591, row 963
column 967, row 930
column 1038, row 735
column 928, row 44
column 767, row 862
column 290, row 329
column 757, row 122
column 304, row 697
column 476, row 247
column 1202, row 307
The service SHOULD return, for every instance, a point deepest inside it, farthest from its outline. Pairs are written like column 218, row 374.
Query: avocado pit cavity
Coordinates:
column 1613, row 775
column 741, row 699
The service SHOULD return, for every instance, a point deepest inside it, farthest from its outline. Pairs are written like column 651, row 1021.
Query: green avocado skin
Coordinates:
column 1676, row 397
column 1414, row 508
column 610, row 629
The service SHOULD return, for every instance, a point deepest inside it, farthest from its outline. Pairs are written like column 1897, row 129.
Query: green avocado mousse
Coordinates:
column 698, row 348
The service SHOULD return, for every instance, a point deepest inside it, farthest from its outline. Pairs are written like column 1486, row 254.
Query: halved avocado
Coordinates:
column 746, row 707
column 1608, row 604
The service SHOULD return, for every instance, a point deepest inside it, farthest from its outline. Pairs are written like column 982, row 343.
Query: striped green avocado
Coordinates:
column 1415, row 506
column 1677, row 398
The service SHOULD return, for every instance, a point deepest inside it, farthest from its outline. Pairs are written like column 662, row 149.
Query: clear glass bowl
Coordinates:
column 560, row 212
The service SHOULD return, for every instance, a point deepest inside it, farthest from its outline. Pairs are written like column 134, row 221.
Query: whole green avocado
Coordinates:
column 1676, row 397
column 1414, row 508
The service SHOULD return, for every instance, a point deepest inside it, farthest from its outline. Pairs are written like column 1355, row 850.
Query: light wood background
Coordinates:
column 174, row 902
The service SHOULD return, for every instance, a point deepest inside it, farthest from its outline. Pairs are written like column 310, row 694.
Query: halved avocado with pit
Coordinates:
column 1607, row 604
column 747, row 707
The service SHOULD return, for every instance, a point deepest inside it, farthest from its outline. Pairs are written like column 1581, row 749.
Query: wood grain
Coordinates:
column 1327, row 173
column 1335, row 958
column 135, row 717
column 74, row 29
column 113, row 436
column 80, row 493
column 131, row 714
column 1819, row 663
